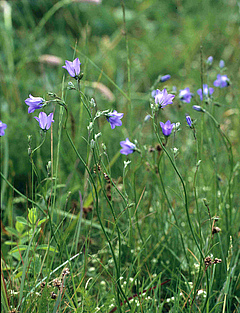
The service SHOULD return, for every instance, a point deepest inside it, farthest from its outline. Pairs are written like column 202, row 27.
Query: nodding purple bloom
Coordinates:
column 128, row 147
column 185, row 95
column 221, row 64
column 34, row 103
column 73, row 68
column 114, row 119
column 3, row 126
column 147, row 118
column 188, row 119
column 221, row 81
column 207, row 91
column 167, row 128
column 162, row 98
column 198, row 108
column 210, row 60
column 165, row 78
column 44, row 120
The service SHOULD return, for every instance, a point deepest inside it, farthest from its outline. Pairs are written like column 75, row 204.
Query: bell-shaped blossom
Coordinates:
column 185, row 95
column 167, row 128
column 189, row 120
column 207, row 91
column 198, row 108
column 73, row 68
column 210, row 60
column 3, row 126
column 221, row 64
column 221, row 81
column 44, row 120
column 128, row 147
column 162, row 98
column 165, row 78
column 34, row 103
column 114, row 119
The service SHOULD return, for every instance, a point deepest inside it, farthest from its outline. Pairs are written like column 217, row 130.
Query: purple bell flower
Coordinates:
column 34, row 103
column 128, row 147
column 207, row 91
column 185, row 95
column 167, row 128
column 162, row 98
column 221, row 81
column 188, row 119
column 165, row 78
column 210, row 60
column 44, row 120
column 221, row 64
column 114, row 119
column 198, row 108
column 73, row 68
column 3, row 126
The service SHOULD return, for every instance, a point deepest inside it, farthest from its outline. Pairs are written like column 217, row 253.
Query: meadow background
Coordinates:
column 145, row 221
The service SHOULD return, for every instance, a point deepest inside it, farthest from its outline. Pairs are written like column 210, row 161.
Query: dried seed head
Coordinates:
column 43, row 284
column 216, row 230
column 106, row 177
column 56, row 283
column 65, row 272
column 53, row 295
column 216, row 261
column 158, row 147
column 208, row 261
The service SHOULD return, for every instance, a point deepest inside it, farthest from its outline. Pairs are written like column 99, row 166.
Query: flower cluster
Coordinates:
column 206, row 91
column 161, row 99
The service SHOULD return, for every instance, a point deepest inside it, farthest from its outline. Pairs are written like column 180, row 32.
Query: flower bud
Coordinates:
column 198, row 108
column 165, row 78
column 210, row 60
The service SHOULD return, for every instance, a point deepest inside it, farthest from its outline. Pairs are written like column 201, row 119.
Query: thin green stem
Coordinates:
column 99, row 218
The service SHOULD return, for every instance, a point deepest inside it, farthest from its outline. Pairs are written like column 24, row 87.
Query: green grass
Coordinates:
column 138, row 240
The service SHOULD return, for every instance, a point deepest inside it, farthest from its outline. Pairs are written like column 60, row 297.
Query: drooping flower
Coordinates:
column 44, row 120
column 210, row 60
column 128, row 147
column 73, row 68
column 221, row 81
column 207, row 91
column 188, row 119
column 3, row 126
column 147, row 118
column 165, row 78
column 162, row 98
column 185, row 95
column 114, row 119
column 221, row 64
column 198, row 108
column 167, row 128
column 34, row 103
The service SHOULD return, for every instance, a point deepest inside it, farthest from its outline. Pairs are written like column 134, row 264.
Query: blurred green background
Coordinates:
column 164, row 38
